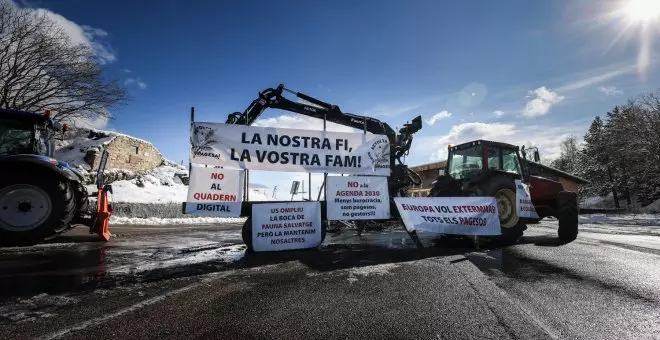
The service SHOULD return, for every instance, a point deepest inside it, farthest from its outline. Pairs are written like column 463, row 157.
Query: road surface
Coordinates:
column 604, row 285
column 197, row 282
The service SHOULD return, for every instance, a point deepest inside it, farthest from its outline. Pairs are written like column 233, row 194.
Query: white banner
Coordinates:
column 524, row 205
column 214, row 192
column 358, row 198
column 450, row 215
column 262, row 148
column 283, row 226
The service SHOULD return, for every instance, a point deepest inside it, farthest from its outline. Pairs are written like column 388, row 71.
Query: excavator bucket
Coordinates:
column 103, row 208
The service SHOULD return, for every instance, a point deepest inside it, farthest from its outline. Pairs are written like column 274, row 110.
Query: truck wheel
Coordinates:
column 567, row 216
column 246, row 233
column 34, row 207
column 504, row 191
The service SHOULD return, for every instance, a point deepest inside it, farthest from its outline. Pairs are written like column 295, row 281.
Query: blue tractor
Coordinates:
column 40, row 196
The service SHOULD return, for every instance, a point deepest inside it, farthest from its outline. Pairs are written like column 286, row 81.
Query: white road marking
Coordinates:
column 102, row 319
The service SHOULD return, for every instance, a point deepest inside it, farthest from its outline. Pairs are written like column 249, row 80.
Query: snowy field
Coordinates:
column 621, row 220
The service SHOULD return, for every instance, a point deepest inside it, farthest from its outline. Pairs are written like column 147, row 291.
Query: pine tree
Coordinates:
column 594, row 162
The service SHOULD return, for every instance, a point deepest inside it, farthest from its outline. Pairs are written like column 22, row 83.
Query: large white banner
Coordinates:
column 214, row 192
column 263, row 148
column 358, row 198
column 524, row 205
column 450, row 215
column 284, row 226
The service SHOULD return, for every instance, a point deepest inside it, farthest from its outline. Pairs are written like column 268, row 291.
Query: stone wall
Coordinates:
column 128, row 154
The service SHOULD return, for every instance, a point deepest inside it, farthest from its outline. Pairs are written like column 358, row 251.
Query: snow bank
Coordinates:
column 79, row 141
column 621, row 219
column 608, row 202
column 161, row 185
column 598, row 202
column 653, row 208
column 164, row 185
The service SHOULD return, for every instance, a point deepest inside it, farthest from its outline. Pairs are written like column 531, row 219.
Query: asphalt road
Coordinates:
column 197, row 282
column 604, row 285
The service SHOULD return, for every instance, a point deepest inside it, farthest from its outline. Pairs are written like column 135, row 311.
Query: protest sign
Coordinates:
column 284, row 226
column 524, row 205
column 214, row 192
column 276, row 149
column 450, row 215
column 358, row 198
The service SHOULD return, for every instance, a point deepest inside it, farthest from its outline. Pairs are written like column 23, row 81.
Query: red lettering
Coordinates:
column 217, row 176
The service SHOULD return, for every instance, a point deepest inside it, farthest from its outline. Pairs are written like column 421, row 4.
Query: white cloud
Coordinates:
column 142, row 85
column 498, row 113
column 546, row 138
column 387, row 110
column 97, row 122
column 466, row 132
column 125, row 70
column 597, row 76
column 438, row 116
column 301, row 122
column 84, row 35
column 610, row 90
column 542, row 103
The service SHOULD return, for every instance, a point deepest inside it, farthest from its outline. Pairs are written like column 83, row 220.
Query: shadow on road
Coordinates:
column 75, row 266
column 542, row 241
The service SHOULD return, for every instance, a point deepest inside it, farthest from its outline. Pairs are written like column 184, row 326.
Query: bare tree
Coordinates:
column 42, row 69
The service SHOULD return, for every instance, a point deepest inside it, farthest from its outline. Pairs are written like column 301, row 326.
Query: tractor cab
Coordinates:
column 27, row 133
column 487, row 168
column 470, row 161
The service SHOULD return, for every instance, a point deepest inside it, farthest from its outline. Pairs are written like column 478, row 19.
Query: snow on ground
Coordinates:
column 171, row 221
column 652, row 208
column 621, row 219
column 73, row 149
column 608, row 202
column 160, row 185
column 375, row 270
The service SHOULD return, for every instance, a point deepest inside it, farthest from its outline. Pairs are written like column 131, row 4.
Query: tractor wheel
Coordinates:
column 567, row 216
column 504, row 191
column 34, row 207
column 246, row 233
column 445, row 186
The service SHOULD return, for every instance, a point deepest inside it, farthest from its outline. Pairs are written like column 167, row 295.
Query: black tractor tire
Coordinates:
column 567, row 215
column 50, row 189
column 445, row 186
column 246, row 233
column 503, row 188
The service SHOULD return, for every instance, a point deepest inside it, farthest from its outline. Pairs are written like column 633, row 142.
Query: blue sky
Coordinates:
column 521, row 71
